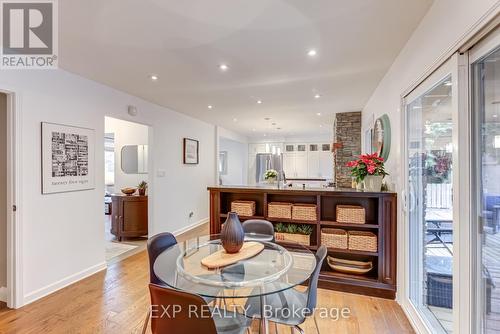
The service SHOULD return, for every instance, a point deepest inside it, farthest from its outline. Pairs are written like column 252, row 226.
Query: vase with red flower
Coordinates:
column 369, row 170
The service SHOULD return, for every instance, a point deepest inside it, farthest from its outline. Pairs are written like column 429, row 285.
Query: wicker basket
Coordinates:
column 243, row 208
column 363, row 241
column 304, row 212
column 292, row 237
column 334, row 238
column 279, row 210
column 350, row 214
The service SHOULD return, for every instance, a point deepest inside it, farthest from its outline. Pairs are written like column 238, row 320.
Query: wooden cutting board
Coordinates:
column 221, row 258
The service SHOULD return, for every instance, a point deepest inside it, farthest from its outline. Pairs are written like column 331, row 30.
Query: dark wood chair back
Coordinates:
column 156, row 245
column 177, row 312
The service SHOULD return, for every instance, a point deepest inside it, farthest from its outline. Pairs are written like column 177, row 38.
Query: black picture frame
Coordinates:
column 190, row 157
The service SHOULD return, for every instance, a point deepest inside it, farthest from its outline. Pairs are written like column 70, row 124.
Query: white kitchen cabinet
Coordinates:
column 295, row 164
column 313, row 164
column 254, row 149
column 326, row 165
column 301, row 165
column 289, row 164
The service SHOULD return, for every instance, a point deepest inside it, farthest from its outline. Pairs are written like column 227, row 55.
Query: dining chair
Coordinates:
column 261, row 227
column 291, row 299
column 157, row 244
column 179, row 312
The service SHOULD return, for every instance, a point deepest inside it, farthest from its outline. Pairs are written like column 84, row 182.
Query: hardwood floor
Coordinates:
column 116, row 301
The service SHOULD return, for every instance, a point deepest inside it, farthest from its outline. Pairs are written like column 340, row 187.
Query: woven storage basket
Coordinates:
column 334, row 238
column 350, row 214
column 363, row 241
column 298, row 238
column 279, row 210
column 304, row 212
column 243, row 208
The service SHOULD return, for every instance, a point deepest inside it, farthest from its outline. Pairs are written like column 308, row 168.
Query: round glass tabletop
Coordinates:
column 273, row 270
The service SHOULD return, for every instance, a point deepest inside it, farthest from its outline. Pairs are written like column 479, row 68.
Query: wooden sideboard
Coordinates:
column 129, row 216
column 380, row 208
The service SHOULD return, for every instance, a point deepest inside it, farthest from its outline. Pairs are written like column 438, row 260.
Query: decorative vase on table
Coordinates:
column 373, row 183
column 232, row 235
column 271, row 180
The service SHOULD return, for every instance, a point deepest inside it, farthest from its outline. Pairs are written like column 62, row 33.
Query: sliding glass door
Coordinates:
column 485, row 71
column 429, row 116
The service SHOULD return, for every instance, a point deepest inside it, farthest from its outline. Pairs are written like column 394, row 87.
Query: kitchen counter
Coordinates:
column 274, row 187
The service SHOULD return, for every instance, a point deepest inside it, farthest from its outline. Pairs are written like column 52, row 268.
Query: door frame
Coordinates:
column 14, row 218
column 457, row 66
column 478, row 51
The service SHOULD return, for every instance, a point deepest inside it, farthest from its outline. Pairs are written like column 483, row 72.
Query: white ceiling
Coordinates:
column 264, row 42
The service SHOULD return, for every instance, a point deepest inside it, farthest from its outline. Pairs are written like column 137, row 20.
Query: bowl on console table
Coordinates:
column 128, row 191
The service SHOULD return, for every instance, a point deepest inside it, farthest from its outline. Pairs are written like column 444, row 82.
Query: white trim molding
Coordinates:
column 51, row 288
column 190, row 227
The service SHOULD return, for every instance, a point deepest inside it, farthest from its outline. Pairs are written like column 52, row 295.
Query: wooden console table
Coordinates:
column 129, row 216
column 380, row 209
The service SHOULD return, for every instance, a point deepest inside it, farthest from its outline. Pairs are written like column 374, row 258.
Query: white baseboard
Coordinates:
column 190, row 227
column 3, row 294
column 51, row 288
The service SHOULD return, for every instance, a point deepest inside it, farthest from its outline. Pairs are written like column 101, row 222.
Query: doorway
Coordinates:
column 485, row 95
column 126, row 169
column 3, row 199
column 430, row 113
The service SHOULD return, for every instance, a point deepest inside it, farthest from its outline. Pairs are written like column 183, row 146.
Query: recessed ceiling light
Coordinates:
column 321, row 125
column 265, row 135
column 273, row 123
column 253, row 130
column 223, row 67
column 259, row 101
column 235, row 120
column 267, row 119
column 210, row 107
column 312, row 53
column 278, row 128
column 317, row 96
column 495, row 116
column 154, row 77
column 318, row 114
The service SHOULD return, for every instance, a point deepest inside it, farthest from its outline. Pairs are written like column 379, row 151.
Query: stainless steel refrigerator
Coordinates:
column 265, row 161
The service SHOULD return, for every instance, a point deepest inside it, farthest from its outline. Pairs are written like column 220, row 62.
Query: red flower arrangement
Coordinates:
column 367, row 164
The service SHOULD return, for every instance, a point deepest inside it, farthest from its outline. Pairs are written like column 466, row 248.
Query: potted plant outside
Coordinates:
column 368, row 169
column 293, row 233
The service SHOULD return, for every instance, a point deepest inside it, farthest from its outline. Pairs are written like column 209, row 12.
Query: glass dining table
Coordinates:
column 273, row 270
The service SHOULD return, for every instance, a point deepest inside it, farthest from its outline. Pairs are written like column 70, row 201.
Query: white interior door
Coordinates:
column 431, row 184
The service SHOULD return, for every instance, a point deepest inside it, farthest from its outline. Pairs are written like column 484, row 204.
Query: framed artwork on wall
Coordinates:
column 191, row 151
column 68, row 159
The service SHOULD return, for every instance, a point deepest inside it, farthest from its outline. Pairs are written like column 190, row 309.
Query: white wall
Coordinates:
column 442, row 28
column 3, row 190
column 62, row 235
column 125, row 133
column 237, row 161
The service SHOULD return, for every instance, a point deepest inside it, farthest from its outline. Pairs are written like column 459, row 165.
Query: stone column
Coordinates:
column 348, row 135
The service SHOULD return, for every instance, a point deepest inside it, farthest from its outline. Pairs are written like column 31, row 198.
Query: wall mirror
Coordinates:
column 135, row 159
